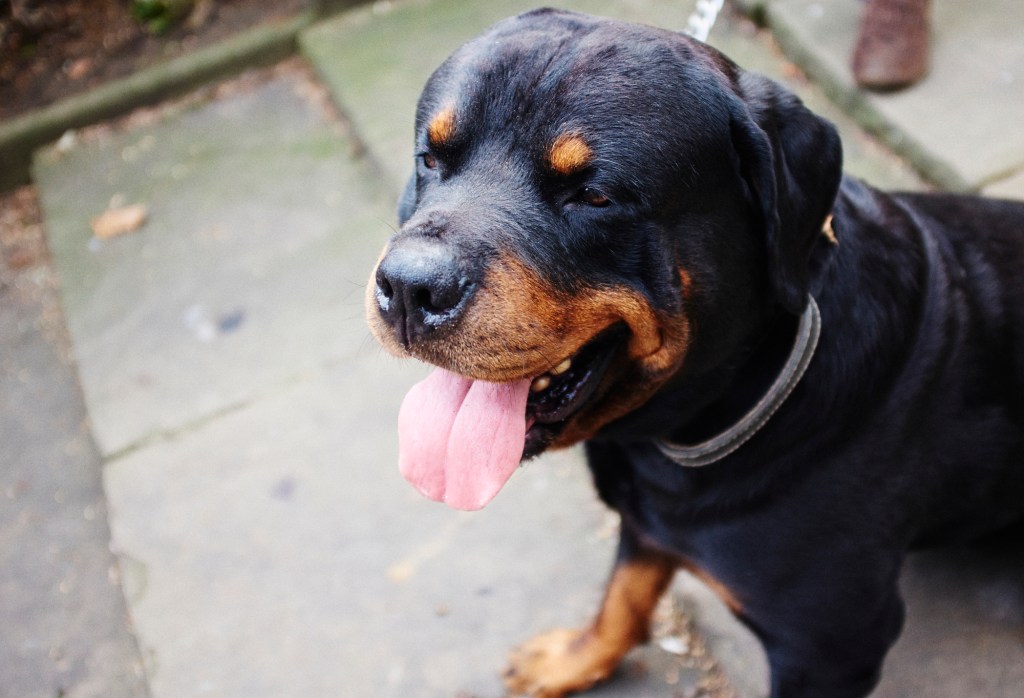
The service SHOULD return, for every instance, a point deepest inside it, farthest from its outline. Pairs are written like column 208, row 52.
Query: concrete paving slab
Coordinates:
column 64, row 627
column 276, row 551
column 256, row 246
column 965, row 630
column 1009, row 188
column 958, row 124
column 375, row 62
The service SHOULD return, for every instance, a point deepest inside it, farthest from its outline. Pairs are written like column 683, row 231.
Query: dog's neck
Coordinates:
column 728, row 440
column 759, row 386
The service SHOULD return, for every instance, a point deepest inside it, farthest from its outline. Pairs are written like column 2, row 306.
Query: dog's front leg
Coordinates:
column 563, row 661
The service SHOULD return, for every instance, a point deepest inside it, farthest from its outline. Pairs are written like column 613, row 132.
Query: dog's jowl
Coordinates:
column 784, row 378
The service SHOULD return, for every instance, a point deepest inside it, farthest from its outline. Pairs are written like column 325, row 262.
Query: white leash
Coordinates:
column 703, row 18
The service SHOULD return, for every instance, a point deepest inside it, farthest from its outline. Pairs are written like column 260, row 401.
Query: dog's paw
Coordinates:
column 558, row 662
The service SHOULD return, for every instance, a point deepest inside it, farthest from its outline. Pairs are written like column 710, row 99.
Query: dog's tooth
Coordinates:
column 562, row 367
column 540, row 383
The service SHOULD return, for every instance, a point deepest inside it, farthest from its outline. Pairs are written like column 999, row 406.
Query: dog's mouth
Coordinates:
column 561, row 392
column 461, row 439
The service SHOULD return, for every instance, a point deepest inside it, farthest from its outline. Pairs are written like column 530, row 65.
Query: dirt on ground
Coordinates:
column 27, row 276
column 50, row 49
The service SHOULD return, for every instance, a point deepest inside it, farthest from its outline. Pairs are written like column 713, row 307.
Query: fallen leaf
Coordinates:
column 119, row 221
column 79, row 69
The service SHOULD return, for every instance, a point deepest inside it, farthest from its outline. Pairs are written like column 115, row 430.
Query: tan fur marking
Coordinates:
column 564, row 661
column 630, row 598
column 519, row 326
column 441, row 127
column 828, row 231
column 686, row 284
column 569, row 153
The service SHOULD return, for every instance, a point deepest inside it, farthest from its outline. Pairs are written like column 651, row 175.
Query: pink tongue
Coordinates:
column 460, row 440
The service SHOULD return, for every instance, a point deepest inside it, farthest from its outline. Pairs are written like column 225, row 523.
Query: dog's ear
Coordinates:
column 791, row 160
column 407, row 202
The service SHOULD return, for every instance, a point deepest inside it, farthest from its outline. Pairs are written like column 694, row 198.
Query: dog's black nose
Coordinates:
column 421, row 287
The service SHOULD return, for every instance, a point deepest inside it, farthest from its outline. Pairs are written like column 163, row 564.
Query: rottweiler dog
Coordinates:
column 784, row 379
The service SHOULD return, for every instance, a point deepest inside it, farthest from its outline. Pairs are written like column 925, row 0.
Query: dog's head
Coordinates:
column 596, row 207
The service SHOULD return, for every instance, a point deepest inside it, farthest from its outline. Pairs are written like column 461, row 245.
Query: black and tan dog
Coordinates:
column 784, row 378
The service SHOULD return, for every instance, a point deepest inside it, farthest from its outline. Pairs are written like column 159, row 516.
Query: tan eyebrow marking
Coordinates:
column 441, row 127
column 569, row 153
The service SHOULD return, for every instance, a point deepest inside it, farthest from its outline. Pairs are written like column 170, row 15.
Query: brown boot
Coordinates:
column 892, row 47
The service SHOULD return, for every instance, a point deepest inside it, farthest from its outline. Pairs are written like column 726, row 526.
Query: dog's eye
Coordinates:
column 429, row 161
column 592, row 197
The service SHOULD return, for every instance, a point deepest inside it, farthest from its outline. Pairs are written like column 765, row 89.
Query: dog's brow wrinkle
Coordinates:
column 569, row 153
column 441, row 127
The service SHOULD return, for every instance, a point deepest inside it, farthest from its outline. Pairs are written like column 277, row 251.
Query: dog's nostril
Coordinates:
column 385, row 292
column 438, row 298
column 423, row 300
